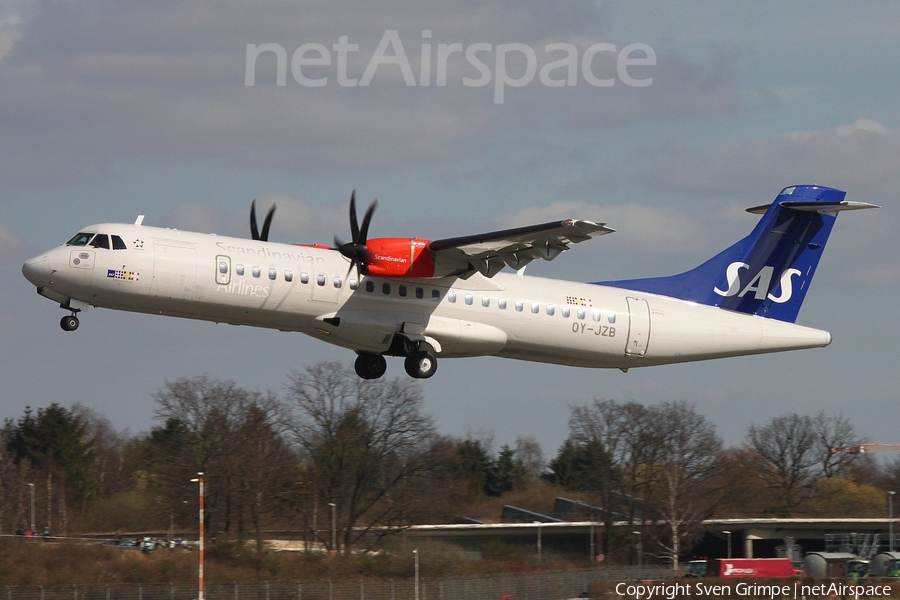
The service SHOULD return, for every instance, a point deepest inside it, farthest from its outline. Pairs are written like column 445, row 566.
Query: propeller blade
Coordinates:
column 364, row 232
column 356, row 249
column 354, row 228
column 254, row 230
column 264, row 235
column 255, row 234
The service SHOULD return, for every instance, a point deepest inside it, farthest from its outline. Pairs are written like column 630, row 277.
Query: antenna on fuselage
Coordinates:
column 139, row 221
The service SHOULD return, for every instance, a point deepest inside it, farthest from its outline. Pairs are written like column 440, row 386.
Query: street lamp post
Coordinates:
column 416, row 559
column 31, row 485
column 333, row 527
column 640, row 551
column 199, row 480
column 728, row 533
column 891, row 520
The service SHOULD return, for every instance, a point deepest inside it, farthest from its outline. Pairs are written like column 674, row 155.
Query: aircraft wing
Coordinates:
column 488, row 253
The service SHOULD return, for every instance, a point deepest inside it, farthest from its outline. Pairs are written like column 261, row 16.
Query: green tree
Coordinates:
column 56, row 442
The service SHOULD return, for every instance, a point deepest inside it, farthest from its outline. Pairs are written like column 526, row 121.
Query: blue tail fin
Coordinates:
column 768, row 272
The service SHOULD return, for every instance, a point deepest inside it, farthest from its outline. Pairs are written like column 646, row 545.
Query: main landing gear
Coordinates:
column 69, row 322
column 421, row 364
column 370, row 366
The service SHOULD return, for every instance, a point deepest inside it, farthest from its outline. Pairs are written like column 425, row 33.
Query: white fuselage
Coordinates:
column 309, row 290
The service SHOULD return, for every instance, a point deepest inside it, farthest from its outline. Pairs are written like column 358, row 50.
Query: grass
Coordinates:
column 56, row 565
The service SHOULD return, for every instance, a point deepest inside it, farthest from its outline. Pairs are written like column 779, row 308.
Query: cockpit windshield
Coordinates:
column 80, row 239
column 97, row 240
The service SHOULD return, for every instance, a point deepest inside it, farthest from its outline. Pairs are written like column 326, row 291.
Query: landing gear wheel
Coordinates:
column 421, row 365
column 69, row 323
column 370, row 366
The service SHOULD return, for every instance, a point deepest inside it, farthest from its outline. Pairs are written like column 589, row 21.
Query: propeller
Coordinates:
column 254, row 231
column 356, row 249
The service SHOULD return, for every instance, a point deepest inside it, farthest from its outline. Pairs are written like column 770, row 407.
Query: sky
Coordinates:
column 675, row 117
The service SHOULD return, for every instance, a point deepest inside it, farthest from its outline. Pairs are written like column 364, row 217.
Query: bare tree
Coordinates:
column 366, row 445
column 835, row 432
column 785, row 457
column 687, row 459
column 229, row 433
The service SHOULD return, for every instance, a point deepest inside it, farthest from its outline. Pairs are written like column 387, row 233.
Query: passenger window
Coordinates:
column 118, row 243
column 451, row 296
column 101, row 240
column 566, row 312
column 402, row 291
column 501, row 302
column 420, row 293
column 580, row 313
column 338, row 281
column 385, row 288
column 80, row 239
column 469, row 299
column 436, row 295
column 486, row 301
column 239, row 269
column 273, row 274
column 288, row 276
column 353, row 282
column 535, row 307
column 519, row 305
column 304, row 278
column 551, row 309
column 320, row 279
column 256, row 271
column 596, row 314
column 611, row 317
column 370, row 286
column 223, row 268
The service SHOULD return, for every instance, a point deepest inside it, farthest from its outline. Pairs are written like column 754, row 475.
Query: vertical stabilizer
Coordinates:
column 768, row 272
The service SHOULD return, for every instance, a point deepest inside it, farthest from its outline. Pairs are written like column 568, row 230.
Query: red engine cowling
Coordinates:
column 400, row 257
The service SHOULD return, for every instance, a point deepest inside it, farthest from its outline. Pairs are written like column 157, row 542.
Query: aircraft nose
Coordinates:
column 36, row 270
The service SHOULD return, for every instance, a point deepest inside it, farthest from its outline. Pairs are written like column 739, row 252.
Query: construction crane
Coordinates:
column 865, row 448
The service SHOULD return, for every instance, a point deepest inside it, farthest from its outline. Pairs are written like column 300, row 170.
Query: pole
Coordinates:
column 333, row 527
column 728, row 533
column 891, row 520
column 640, row 551
column 538, row 523
column 200, row 569
column 31, row 485
column 416, row 559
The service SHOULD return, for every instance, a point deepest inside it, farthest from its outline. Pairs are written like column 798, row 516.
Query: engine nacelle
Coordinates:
column 400, row 257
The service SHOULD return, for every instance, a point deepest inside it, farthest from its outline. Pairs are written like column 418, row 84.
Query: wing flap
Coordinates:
column 488, row 253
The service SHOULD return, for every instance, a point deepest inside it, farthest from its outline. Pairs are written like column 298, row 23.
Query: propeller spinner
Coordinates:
column 356, row 249
column 262, row 236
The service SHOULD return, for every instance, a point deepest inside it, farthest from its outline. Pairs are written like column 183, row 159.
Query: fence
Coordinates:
column 517, row 586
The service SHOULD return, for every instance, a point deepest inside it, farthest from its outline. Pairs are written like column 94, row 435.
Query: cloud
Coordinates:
column 859, row 157
column 10, row 33
column 9, row 241
column 95, row 81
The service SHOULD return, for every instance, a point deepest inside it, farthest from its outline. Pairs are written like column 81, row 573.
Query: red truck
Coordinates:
column 751, row 567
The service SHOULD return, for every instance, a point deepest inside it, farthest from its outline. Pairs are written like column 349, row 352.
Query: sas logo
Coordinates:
column 760, row 286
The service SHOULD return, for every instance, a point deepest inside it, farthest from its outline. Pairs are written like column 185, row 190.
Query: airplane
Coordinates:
column 447, row 298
